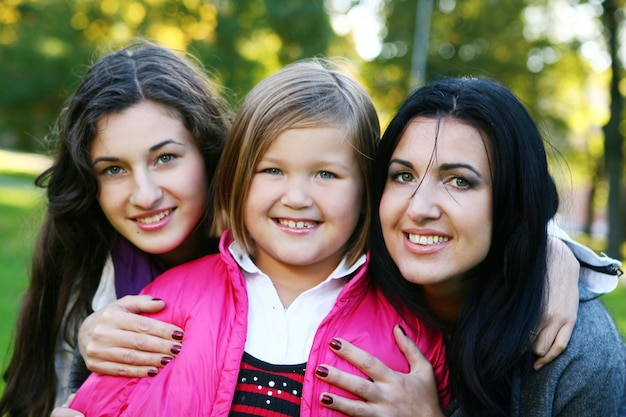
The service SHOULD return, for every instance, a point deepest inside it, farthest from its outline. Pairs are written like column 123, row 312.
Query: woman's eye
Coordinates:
column 402, row 177
column 460, row 182
column 164, row 159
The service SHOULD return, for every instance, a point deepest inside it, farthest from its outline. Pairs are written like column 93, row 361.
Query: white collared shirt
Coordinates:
column 279, row 335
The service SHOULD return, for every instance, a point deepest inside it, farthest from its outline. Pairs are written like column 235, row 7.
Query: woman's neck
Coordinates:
column 445, row 301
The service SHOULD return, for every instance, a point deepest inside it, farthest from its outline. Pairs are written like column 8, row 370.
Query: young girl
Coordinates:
column 293, row 190
column 128, row 197
column 462, row 145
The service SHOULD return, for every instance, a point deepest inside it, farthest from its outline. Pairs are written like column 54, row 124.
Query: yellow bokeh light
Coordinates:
column 263, row 47
column 170, row 36
column 79, row 21
column 120, row 31
column 109, row 7
column 191, row 4
column 134, row 14
column 8, row 15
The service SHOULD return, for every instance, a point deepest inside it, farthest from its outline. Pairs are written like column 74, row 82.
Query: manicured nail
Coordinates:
column 326, row 399
column 165, row 360
column 176, row 349
column 402, row 329
column 322, row 371
column 335, row 344
column 177, row 335
column 156, row 299
column 152, row 373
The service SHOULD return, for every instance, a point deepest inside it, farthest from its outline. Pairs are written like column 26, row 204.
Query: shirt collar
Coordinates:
column 247, row 264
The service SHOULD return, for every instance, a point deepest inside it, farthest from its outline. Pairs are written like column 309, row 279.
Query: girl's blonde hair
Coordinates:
column 307, row 94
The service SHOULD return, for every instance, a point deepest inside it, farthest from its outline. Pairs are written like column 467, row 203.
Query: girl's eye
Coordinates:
column 164, row 159
column 403, row 177
column 113, row 170
column 326, row 175
column 271, row 171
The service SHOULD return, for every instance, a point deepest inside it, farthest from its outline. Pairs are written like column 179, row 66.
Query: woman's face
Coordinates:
column 436, row 208
column 152, row 183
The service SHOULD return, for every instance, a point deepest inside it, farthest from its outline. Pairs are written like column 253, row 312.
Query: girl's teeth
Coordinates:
column 427, row 240
column 155, row 218
column 297, row 225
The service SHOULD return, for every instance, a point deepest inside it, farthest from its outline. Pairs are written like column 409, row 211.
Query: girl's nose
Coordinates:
column 146, row 191
column 296, row 194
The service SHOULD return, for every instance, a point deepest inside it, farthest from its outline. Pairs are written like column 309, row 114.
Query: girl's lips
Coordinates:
column 155, row 221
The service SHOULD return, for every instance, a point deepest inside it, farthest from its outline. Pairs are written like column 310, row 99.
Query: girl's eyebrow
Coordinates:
column 153, row 148
column 163, row 143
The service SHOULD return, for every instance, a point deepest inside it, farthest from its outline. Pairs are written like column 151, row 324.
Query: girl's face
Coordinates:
column 304, row 202
column 436, row 208
column 152, row 184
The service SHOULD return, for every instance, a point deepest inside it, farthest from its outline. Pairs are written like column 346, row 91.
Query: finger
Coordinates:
column 411, row 352
column 133, row 349
column 543, row 340
column 119, row 315
column 141, row 304
column 353, row 408
column 560, row 343
column 107, row 335
column 120, row 369
column 354, row 384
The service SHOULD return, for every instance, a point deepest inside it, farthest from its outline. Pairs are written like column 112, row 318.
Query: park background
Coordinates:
column 563, row 58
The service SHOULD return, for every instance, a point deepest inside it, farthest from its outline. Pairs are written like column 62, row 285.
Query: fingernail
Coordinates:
column 165, row 360
column 326, row 399
column 156, row 299
column 177, row 335
column 176, row 349
column 335, row 344
column 322, row 371
column 402, row 329
column 152, row 373
column 538, row 366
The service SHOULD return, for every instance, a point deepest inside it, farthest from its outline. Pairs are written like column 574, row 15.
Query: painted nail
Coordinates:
column 156, row 299
column 335, row 344
column 322, row 371
column 402, row 329
column 177, row 335
column 176, row 349
column 165, row 360
column 152, row 373
column 326, row 399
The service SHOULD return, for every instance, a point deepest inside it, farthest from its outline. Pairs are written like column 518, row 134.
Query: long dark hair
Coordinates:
column 75, row 237
column 490, row 346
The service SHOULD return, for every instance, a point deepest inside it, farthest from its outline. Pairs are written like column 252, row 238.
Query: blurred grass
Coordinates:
column 21, row 208
column 20, row 216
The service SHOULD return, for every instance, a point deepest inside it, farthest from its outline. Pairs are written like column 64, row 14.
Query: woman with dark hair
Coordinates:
column 465, row 196
column 128, row 197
